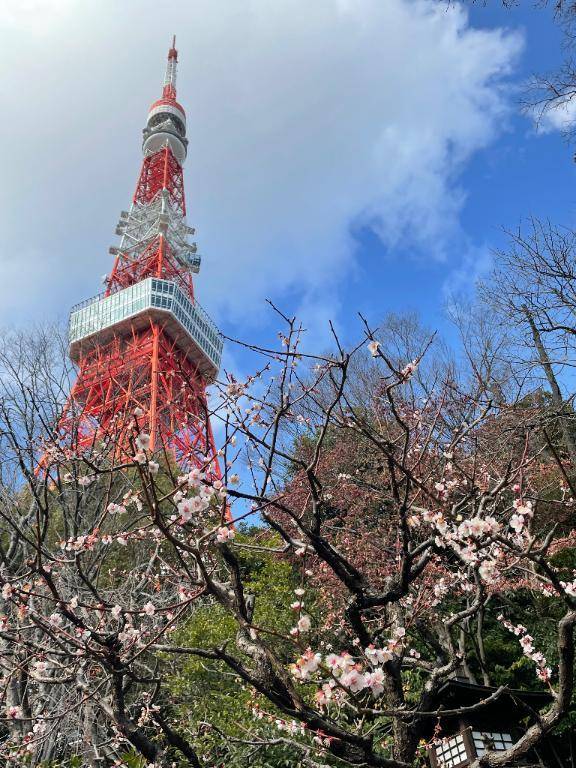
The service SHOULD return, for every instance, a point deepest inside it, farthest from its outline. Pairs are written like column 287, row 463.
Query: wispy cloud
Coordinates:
column 304, row 118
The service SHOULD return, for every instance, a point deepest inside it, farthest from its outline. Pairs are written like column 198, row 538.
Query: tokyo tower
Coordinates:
column 145, row 346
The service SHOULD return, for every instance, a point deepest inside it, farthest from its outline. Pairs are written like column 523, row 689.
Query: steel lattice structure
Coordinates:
column 145, row 345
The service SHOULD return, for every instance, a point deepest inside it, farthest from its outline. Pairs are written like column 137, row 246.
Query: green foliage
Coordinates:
column 206, row 691
column 133, row 760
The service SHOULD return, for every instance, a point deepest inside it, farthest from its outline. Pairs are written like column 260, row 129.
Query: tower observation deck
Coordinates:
column 145, row 345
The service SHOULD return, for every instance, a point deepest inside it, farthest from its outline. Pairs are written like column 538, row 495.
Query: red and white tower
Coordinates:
column 145, row 345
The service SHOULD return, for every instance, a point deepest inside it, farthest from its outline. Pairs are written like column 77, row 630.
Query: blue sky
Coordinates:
column 524, row 172
column 344, row 155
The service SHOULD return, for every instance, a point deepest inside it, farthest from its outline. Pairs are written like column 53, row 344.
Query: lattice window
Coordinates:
column 488, row 741
column 451, row 752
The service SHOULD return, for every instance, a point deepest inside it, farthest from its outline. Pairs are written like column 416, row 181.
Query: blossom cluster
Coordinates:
column 543, row 671
column 340, row 674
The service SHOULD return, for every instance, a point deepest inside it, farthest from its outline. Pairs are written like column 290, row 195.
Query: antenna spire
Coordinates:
column 169, row 91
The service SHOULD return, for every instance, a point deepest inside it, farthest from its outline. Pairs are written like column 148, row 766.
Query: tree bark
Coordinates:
column 555, row 392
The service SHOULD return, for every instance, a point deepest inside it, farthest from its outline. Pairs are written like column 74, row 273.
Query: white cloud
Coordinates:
column 476, row 263
column 560, row 116
column 305, row 120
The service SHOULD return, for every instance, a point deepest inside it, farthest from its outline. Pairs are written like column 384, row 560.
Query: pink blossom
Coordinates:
column 333, row 661
column 377, row 655
column 354, row 680
column 544, row 674
column 517, row 522
column 185, row 510
column 149, row 608
column 324, row 695
column 224, row 534
column 374, row 680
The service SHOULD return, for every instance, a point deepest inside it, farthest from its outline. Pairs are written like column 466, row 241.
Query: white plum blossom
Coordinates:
column 143, row 441
column 149, row 608
column 543, row 672
column 224, row 534
column 7, row 590
column 304, row 623
column 324, row 695
column 377, row 655
column 374, row 680
column 354, row 680
column 441, row 588
column 523, row 507
column 129, row 634
column 487, row 571
column 409, row 370
column 517, row 522
column 569, row 588
column 306, row 665
column 373, row 347
column 116, row 509
column 340, row 663
column 235, row 389
column 185, row 510
column 116, row 611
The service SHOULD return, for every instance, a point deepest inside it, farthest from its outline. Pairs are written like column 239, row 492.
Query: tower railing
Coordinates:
column 103, row 314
